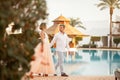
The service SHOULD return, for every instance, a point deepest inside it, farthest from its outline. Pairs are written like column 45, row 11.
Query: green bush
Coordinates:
column 94, row 39
column 116, row 41
column 93, row 46
column 85, row 46
column 89, row 46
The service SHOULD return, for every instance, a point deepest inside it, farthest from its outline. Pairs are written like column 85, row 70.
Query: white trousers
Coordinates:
column 60, row 61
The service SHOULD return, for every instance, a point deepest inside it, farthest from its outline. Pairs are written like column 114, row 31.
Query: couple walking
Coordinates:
column 42, row 62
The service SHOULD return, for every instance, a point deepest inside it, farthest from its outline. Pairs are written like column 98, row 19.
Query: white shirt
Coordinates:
column 61, row 40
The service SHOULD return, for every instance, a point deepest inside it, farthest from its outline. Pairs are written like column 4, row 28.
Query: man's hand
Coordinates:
column 42, row 49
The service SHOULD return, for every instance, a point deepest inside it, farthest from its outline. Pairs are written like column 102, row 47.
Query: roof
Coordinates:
column 61, row 18
column 69, row 30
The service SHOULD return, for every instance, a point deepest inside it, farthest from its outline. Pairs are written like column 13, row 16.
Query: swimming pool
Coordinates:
column 91, row 62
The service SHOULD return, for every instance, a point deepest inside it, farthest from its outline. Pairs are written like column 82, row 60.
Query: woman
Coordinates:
column 42, row 62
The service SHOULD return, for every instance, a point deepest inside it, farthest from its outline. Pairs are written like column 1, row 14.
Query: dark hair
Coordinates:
column 62, row 25
column 42, row 26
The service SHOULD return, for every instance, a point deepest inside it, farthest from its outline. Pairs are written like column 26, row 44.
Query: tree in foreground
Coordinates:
column 16, row 49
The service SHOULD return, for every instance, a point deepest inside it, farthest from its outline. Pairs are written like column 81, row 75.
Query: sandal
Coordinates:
column 45, row 75
column 31, row 75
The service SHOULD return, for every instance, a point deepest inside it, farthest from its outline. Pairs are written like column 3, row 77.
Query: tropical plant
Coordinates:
column 75, row 22
column 116, row 41
column 78, row 39
column 111, row 4
column 94, row 39
column 16, row 49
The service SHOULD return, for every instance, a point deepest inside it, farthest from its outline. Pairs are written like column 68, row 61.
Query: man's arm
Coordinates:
column 53, row 41
column 68, row 40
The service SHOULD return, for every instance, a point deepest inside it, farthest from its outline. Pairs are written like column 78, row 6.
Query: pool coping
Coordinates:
column 118, row 49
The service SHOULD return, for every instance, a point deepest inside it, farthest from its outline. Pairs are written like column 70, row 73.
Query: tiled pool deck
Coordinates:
column 76, row 78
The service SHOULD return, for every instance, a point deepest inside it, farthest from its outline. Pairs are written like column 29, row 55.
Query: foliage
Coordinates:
column 16, row 49
column 89, row 45
column 116, row 41
column 109, row 3
column 75, row 22
column 78, row 39
column 94, row 39
column 85, row 45
column 93, row 46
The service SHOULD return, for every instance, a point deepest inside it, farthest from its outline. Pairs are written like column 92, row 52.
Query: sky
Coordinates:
column 95, row 20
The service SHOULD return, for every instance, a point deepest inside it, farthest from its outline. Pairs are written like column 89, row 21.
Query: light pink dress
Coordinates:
column 43, row 62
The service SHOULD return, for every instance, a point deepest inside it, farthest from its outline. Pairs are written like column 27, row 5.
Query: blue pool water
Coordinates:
column 91, row 62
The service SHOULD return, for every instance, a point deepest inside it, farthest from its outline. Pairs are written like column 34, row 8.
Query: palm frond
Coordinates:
column 109, row 2
column 106, row 1
column 82, row 27
column 76, row 22
column 104, row 7
column 101, row 4
column 118, row 6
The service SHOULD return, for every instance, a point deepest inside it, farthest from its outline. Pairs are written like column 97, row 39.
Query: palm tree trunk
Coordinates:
column 111, row 12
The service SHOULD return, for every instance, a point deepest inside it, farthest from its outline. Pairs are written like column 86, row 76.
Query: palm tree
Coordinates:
column 111, row 4
column 75, row 22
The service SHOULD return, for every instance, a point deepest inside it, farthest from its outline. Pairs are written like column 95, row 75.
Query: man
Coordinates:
column 62, row 42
